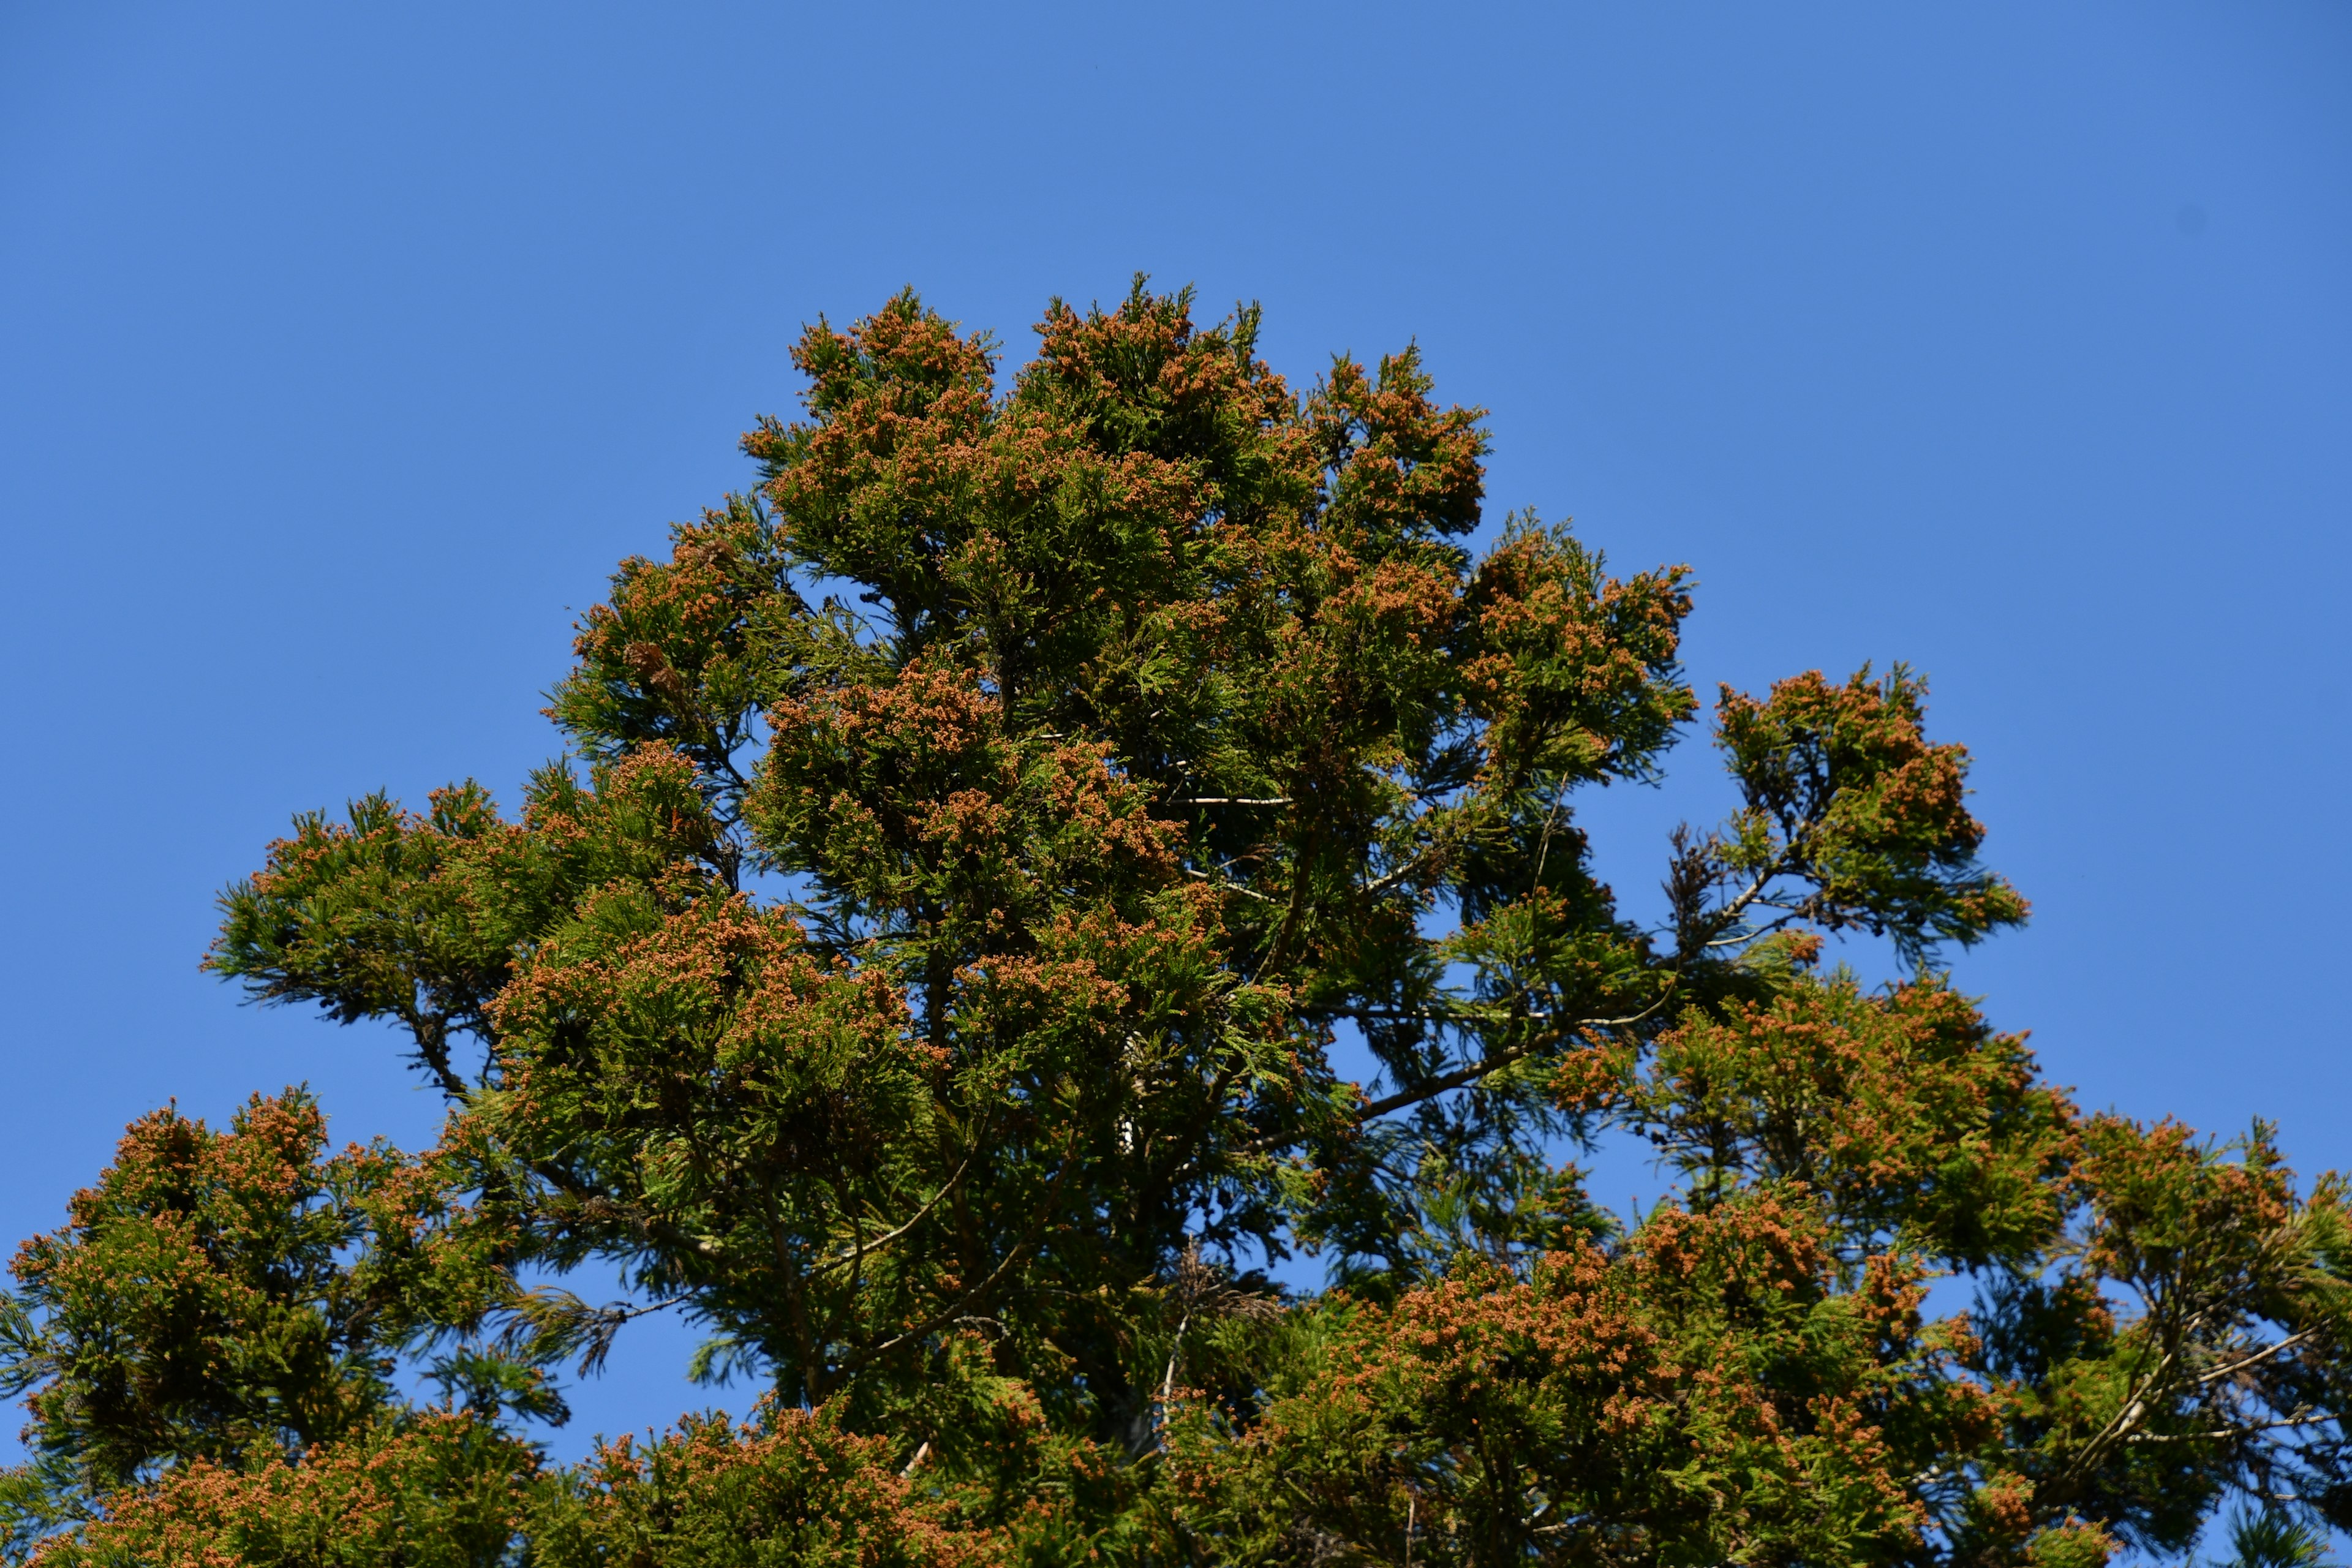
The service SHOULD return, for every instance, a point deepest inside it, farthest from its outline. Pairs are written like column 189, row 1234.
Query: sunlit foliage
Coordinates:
column 981, row 845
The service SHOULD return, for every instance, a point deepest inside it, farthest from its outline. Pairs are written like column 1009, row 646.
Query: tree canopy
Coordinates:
column 981, row 848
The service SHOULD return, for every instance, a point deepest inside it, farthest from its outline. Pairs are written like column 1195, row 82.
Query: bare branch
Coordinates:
column 2226, row 1432
column 2218, row 1373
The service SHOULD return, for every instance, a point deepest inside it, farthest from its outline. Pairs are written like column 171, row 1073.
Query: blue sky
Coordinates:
column 344, row 349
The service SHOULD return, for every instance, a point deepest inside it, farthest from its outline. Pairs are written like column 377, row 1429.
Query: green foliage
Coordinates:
column 1846, row 795
column 993, row 827
column 1701, row 1391
column 225, row 1294
column 1917, row 1129
column 436, row 1490
column 2271, row 1540
column 368, row 920
column 794, row 1491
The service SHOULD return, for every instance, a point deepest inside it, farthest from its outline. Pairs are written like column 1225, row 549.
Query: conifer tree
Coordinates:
column 980, row 844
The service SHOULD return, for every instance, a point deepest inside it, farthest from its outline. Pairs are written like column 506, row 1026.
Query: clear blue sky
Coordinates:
column 344, row 349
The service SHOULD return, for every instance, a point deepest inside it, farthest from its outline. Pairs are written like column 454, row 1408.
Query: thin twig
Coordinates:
column 860, row 1250
column 973, row 1297
column 2218, row 1373
column 1430, row 1089
column 1230, row 887
column 2246, row 1431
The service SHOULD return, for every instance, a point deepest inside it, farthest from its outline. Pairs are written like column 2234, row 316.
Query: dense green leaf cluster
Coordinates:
column 990, row 842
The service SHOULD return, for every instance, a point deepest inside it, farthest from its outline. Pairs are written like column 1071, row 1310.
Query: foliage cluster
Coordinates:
column 987, row 845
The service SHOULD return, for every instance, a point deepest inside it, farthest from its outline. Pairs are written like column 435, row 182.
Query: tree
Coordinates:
column 927, row 976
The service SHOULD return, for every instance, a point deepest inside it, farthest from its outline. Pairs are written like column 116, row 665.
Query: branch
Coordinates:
column 859, row 1249
column 559, row 1322
column 596, row 1207
column 2225, row 1432
column 1383, row 883
column 2218, row 1373
column 2134, row 1407
column 1175, row 1349
column 1788, row 859
column 973, row 1297
column 1748, row 934
column 1279, row 953
column 1754, row 890
column 1230, row 887
column 430, row 1030
column 1445, row 1083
